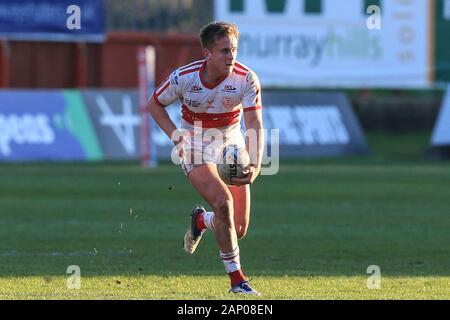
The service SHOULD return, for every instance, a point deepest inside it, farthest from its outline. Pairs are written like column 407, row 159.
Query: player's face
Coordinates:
column 223, row 55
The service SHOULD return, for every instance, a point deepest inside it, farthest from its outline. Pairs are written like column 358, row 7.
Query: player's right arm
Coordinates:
column 161, row 117
column 168, row 92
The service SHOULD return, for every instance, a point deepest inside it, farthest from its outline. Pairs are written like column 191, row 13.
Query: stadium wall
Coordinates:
column 112, row 64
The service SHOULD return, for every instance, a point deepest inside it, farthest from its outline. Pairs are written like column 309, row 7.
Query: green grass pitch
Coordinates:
column 315, row 228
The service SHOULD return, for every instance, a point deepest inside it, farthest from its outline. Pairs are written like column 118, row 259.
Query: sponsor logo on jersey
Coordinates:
column 210, row 102
column 196, row 89
column 174, row 80
column 191, row 103
column 229, row 88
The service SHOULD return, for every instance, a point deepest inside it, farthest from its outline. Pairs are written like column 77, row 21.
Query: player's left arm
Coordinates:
column 252, row 106
column 254, row 142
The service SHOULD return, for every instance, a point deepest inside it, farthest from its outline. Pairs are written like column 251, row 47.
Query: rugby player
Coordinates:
column 214, row 93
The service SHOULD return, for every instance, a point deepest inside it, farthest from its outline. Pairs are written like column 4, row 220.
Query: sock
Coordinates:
column 236, row 277
column 205, row 221
column 208, row 218
column 231, row 261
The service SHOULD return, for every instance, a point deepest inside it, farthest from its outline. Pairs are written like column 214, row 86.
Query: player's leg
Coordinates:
column 241, row 205
column 208, row 183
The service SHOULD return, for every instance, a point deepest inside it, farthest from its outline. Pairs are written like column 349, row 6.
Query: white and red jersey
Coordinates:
column 218, row 105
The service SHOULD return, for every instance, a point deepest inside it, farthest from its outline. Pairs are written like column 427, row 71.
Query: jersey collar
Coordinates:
column 206, row 85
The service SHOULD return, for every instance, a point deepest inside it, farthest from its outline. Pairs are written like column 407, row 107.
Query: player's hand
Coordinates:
column 250, row 175
column 180, row 147
column 180, row 141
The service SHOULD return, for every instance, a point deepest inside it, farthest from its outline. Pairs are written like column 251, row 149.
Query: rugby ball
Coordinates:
column 234, row 162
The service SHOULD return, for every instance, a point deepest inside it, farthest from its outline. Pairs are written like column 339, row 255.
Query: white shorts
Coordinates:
column 208, row 146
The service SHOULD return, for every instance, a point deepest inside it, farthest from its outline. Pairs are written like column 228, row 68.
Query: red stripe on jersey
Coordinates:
column 191, row 65
column 211, row 120
column 162, row 82
column 188, row 71
column 155, row 97
column 252, row 108
column 160, row 91
column 239, row 72
column 237, row 64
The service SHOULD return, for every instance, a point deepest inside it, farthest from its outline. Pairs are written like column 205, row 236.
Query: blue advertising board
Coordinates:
column 69, row 125
column 52, row 20
column 45, row 125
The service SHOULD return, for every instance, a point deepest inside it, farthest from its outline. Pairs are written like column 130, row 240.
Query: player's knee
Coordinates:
column 223, row 208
